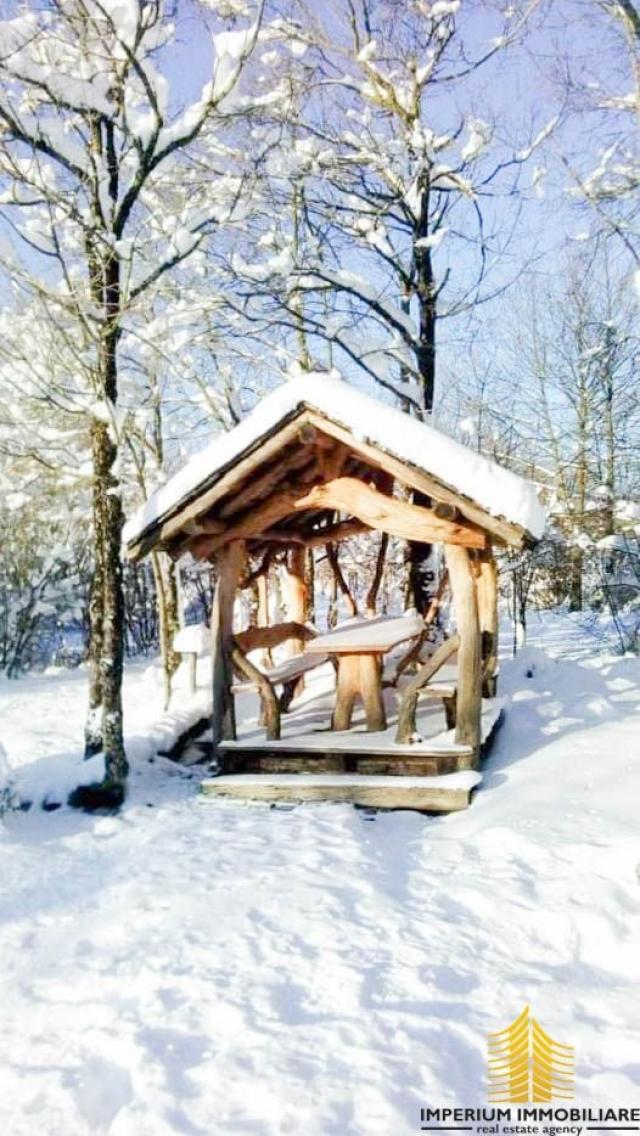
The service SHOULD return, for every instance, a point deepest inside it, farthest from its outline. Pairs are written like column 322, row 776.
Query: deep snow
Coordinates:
column 206, row 967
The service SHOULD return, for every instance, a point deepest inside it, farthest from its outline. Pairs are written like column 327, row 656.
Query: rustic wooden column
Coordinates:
column 263, row 612
column 469, row 699
column 295, row 596
column 487, row 586
column 230, row 562
column 295, row 593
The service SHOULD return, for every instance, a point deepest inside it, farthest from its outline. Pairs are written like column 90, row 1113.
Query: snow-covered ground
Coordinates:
column 209, row 968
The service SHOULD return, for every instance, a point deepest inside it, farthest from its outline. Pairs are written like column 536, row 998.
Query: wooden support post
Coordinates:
column 469, row 701
column 263, row 612
column 294, row 592
column 231, row 560
column 487, row 585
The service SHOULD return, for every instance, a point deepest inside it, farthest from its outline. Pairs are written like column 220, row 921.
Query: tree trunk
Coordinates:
column 109, row 647
column 93, row 724
column 107, row 650
column 372, row 594
column 575, row 579
column 422, row 570
column 262, row 584
column 422, row 574
column 230, row 562
column 167, row 606
column 339, row 582
column 469, row 694
column 487, row 585
column 296, row 595
column 116, row 765
column 610, row 436
column 311, row 586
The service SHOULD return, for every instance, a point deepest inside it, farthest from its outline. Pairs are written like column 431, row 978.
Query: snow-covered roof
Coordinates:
column 499, row 492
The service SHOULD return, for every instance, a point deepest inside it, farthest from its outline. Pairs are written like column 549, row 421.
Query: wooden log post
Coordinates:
column 231, row 559
column 263, row 612
column 487, row 586
column 296, row 602
column 294, row 593
column 462, row 575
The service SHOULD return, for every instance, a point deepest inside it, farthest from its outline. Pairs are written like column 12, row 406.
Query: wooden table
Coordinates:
column 359, row 645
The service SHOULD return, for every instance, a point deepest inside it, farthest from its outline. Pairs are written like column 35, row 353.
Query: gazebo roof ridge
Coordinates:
column 364, row 422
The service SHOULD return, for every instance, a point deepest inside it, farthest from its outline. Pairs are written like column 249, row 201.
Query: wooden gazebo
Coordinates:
column 315, row 464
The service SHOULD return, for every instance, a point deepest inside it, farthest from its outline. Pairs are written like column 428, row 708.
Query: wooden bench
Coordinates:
column 285, row 674
column 437, row 677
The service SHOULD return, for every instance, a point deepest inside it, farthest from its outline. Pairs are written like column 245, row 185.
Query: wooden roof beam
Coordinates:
column 505, row 532
column 258, row 486
column 373, row 509
column 388, row 514
column 315, row 538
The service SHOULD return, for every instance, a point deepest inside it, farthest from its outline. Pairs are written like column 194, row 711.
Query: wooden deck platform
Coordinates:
column 313, row 762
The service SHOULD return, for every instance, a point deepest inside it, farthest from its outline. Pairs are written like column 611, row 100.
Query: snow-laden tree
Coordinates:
column 380, row 179
column 603, row 86
column 103, row 194
column 559, row 404
column 379, row 176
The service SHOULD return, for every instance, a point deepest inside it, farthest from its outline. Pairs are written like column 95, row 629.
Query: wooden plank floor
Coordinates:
column 311, row 762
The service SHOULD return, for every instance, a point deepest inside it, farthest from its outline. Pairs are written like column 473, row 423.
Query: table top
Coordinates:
column 367, row 636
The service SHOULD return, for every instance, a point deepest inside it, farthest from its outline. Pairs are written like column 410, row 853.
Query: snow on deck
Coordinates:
column 500, row 492
column 307, row 726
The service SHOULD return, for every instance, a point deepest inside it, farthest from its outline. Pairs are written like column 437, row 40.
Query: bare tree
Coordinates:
column 102, row 202
column 391, row 191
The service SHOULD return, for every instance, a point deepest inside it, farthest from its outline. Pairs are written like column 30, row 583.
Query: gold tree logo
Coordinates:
column 526, row 1065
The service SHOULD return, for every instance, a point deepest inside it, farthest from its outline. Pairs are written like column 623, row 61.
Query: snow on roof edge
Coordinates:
column 500, row 492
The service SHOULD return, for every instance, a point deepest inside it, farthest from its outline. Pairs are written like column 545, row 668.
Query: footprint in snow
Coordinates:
column 100, row 1090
